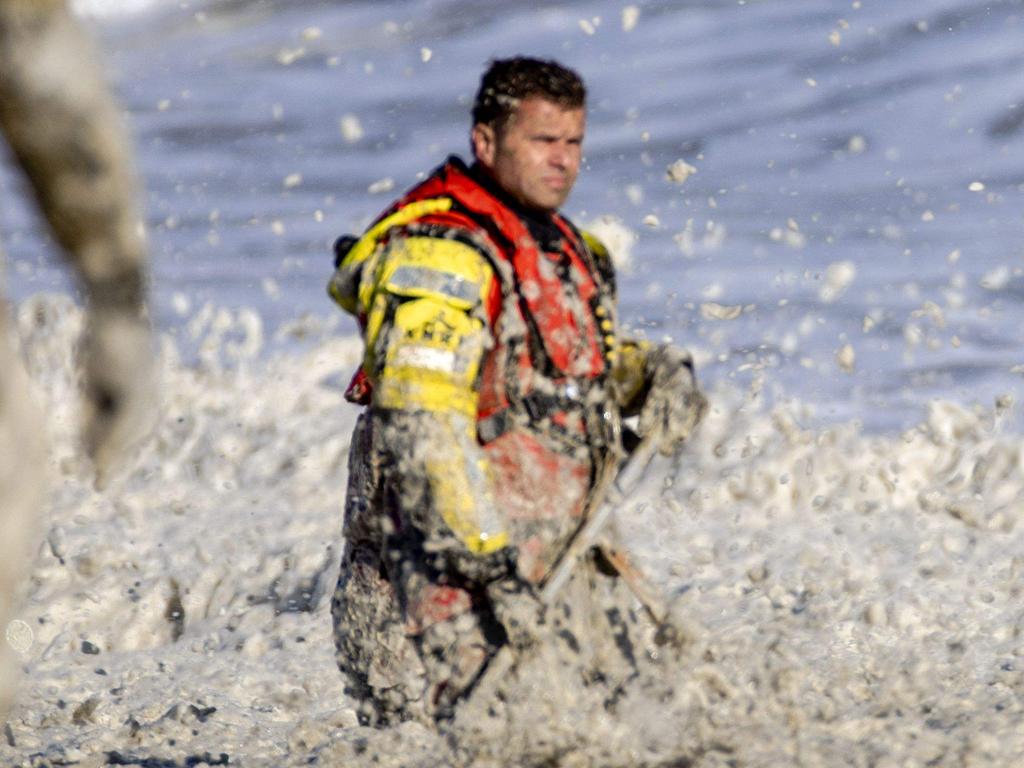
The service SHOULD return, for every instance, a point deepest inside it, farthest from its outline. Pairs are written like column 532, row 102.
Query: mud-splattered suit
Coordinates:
column 495, row 382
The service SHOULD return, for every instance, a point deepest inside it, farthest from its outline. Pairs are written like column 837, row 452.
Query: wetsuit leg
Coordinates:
column 380, row 665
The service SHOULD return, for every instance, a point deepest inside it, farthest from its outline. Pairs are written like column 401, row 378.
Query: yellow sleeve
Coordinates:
column 426, row 333
column 348, row 284
column 425, row 326
column 456, row 471
column 630, row 375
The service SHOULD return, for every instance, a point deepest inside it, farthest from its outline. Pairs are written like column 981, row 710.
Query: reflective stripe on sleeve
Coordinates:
column 408, row 277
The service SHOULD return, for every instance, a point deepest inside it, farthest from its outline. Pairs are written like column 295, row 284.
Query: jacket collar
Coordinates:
column 541, row 224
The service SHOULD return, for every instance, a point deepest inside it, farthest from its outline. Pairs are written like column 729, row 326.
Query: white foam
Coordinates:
column 807, row 554
column 103, row 9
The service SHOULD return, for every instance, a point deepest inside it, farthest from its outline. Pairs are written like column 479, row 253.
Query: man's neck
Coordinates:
column 540, row 223
column 488, row 182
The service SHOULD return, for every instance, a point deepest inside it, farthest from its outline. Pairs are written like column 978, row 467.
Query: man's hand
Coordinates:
column 516, row 604
column 674, row 404
column 519, row 609
column 119, row 387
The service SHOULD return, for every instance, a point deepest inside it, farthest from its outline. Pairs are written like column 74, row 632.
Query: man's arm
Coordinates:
column 426, row 332
column 66, row 133
column 655, row 381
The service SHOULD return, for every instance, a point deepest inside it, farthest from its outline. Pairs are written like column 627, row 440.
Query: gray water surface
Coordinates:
column 823, row 133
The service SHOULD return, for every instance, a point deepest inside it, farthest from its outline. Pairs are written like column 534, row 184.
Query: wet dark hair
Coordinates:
column 508, row 81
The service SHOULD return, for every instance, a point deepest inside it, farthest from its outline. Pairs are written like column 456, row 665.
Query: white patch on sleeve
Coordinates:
column 428, row 358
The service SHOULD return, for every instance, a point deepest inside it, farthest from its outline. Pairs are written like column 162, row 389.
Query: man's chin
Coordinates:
column 548, row 202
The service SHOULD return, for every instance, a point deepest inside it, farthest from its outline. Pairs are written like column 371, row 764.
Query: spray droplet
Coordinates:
column 380, row 186
column 846, row 358
column 19, row 636
column 630, row 16
column 680, row 171
column 351, row 128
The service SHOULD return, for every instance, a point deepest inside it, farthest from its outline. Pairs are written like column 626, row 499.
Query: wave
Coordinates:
column 829, row 577
column 105, row 9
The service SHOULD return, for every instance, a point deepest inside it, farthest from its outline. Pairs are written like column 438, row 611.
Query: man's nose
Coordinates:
column 559, row 156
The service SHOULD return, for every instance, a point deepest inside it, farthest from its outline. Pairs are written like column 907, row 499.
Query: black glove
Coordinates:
column 674, row 404
column 519, row 609
column 516, row 605
column 341, row 248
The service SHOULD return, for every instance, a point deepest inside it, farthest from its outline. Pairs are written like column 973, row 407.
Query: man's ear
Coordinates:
column 484, row 144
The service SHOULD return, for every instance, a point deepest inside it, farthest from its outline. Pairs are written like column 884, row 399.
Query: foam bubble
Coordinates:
column 100, row 9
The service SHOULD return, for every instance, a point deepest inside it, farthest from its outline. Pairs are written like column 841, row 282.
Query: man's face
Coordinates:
column 535, row 157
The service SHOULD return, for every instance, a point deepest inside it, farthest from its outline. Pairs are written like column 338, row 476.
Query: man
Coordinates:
column 495, row 383
column 65, row 132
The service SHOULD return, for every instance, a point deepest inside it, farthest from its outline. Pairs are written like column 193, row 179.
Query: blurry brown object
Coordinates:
column 65, row 133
